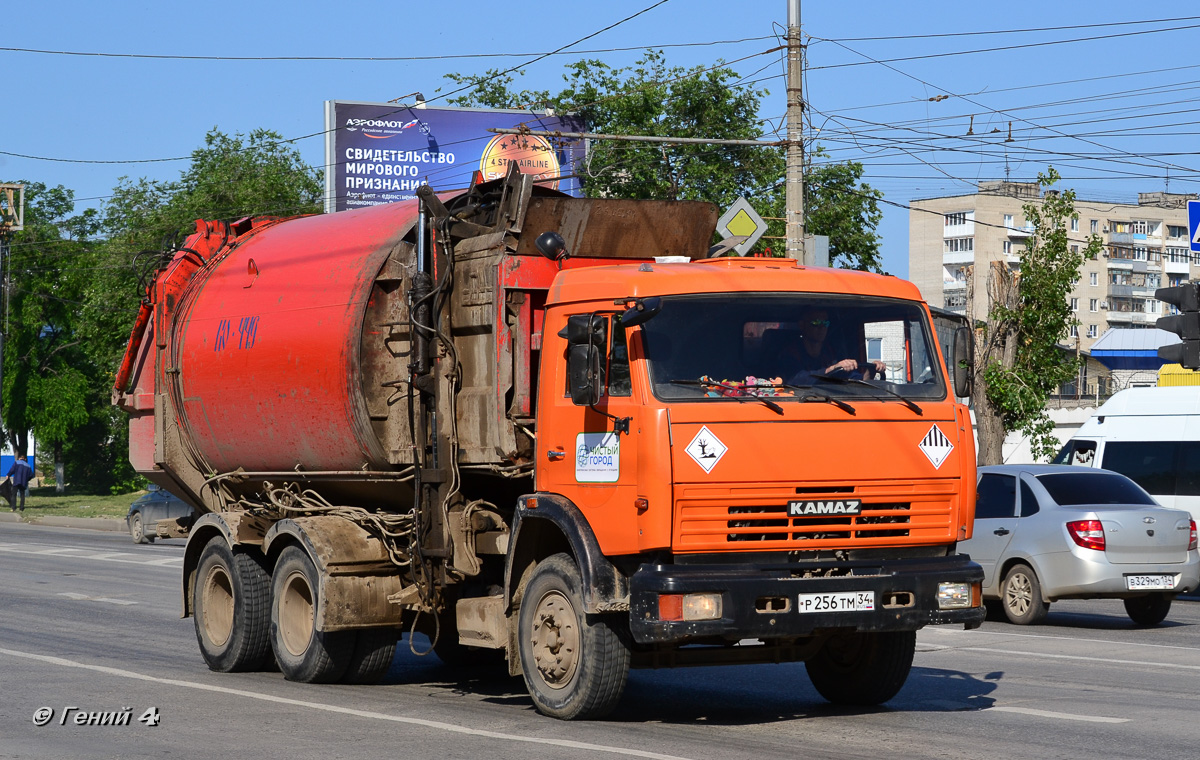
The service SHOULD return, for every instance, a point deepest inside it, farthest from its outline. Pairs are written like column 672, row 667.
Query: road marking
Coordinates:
column 1058, row 715
column 976, row 632
column 434, row 724
column 1077, row 657
column 121, row 557
column 85, row 598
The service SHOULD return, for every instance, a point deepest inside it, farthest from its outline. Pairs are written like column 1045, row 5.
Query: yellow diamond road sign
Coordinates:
column 741, row 220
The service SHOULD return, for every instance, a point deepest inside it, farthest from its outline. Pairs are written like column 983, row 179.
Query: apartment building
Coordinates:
column 1146, row 246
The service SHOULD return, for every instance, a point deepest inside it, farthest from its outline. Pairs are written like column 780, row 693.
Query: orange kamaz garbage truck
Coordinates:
column 553, row 435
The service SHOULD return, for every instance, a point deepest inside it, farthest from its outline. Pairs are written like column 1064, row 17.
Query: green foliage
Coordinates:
column 652, row 98
column 46, row 373
column 1021, row 360
column 76, row 289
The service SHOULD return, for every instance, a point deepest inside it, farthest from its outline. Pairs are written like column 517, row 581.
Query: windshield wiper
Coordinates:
column 739, row 392
column 811, row 395
column 858, row 381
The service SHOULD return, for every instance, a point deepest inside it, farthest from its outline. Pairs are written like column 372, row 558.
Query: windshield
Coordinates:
column 791, row 345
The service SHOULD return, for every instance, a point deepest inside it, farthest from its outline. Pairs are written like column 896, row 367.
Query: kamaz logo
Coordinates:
column 806, row 508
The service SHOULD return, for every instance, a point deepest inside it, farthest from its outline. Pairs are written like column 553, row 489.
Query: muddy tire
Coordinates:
column 1021, row 595
column 575, row 665
column 137, row 530
column 374, row 649
column 1148, row 610
column 862, row 668
column 304, row 654
column 232, row 610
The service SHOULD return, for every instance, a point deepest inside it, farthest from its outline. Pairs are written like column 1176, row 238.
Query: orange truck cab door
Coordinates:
column 589, row 453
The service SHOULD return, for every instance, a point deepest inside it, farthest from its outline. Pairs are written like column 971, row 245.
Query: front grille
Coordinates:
column 716, row 518
column 760, row 523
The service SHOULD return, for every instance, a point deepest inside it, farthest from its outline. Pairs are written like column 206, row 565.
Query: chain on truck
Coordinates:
column 554, row 436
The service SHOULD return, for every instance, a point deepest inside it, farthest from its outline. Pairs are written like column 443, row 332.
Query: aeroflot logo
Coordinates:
column 806, row 508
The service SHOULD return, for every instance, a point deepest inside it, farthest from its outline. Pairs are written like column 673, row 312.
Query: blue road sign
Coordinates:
column 1194, row 224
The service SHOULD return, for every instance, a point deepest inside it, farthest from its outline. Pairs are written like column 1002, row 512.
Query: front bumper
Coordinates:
column 760, row 601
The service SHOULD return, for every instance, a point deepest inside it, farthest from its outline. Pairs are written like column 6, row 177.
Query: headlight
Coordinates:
column 953, row 596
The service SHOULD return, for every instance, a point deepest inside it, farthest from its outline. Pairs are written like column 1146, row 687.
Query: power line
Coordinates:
column 323, row 132
column 381, row 59
column 1015, row 31
column 993, row 49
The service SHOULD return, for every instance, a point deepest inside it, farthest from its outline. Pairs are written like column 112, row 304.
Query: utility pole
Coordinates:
column 794, row 189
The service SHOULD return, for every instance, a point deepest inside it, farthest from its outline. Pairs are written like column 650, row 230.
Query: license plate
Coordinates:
column 1139, row 582
column 842, row 601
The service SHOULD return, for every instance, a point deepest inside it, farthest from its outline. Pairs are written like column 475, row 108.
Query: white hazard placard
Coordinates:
column 597, row 457
column 936, row 446
column 706, row 449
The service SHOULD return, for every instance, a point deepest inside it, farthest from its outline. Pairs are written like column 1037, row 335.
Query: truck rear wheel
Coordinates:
column 862, row 668
column 374, row 649
column 231, row 602
column 575, row 665
column 304, row 654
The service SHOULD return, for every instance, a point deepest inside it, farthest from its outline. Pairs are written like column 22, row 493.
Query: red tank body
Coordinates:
column 291, row 296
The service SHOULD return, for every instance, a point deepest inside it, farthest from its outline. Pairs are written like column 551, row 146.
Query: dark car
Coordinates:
column 151, row 507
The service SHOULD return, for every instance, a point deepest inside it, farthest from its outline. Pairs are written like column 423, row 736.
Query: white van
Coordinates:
column 1151, row 435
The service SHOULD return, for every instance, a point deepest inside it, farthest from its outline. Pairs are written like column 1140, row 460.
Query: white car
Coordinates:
column 1049, row 532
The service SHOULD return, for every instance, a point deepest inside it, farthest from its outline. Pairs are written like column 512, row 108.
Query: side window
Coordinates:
column 1150, row 464
column 1029, row 502
column 619, row 383
column 996, row 496
column 1077, row 452
column 1189, row 469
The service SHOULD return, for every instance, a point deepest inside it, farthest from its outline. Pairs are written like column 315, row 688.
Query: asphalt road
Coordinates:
column 90, row 621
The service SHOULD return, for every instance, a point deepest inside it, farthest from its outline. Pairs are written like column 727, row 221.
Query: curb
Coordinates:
column 87, row 523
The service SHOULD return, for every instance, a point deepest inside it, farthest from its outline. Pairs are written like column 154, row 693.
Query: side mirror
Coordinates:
column 641, row 310
column 587, row 337
column 962, row 361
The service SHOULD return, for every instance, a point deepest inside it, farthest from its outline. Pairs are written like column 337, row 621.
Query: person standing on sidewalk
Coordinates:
column 20, row 473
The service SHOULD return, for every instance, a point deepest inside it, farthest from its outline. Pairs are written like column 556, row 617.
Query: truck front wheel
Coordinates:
column 231, row 602
column 575, row 665
column 304, row 654
column 862, row 668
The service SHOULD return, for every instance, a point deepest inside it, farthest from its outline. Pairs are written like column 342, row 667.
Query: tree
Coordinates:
column 651, row 98
column 1018, row 358
column 47, row 374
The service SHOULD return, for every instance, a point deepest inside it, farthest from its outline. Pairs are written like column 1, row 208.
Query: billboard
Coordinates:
column 382, row 152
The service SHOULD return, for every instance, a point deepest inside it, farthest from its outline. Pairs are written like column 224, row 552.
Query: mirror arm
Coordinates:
column 620, row 424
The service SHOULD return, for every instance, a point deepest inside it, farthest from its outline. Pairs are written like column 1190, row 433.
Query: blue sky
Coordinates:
column 1115, row 111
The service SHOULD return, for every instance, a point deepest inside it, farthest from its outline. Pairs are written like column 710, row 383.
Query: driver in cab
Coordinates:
column 814, row 355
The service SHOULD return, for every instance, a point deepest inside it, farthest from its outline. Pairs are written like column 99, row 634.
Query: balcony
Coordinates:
column 1131, row 318
column 1172, row 266
column 959, row 257
column 1020, row 232
column 1122, row 237
column 950, row 287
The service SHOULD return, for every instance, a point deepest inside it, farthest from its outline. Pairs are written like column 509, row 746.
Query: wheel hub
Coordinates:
column 555, row 639
column 296, row 614
column 217, row 598
column 1019, row 594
